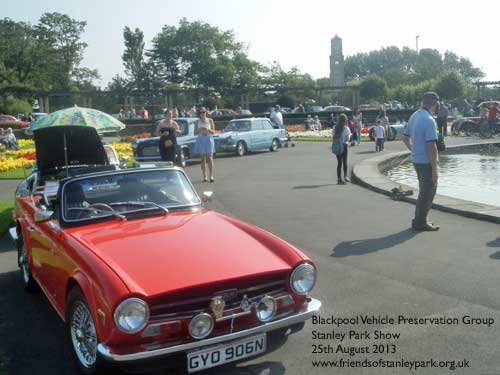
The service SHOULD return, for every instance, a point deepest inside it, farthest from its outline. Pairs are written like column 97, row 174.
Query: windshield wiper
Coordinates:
column 101, row 211
column 140, row 204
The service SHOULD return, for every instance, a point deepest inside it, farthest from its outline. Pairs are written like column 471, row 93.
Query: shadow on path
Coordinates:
column 312, row 186
column 494, row 243
column 361, row 247
column 495, row 255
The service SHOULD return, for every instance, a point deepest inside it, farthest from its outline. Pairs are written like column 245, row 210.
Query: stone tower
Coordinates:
column 336, row 62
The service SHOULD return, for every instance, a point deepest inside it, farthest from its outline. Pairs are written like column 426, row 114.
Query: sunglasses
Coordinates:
column 201, row 113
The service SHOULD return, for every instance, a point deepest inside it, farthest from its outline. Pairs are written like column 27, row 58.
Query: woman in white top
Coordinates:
column 341, row 131
column 205, row 143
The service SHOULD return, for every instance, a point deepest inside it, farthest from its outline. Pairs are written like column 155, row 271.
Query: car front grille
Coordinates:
column 195, row 301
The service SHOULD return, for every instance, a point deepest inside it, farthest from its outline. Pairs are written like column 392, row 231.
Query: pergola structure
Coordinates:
column 167, row 96
column 480, row 84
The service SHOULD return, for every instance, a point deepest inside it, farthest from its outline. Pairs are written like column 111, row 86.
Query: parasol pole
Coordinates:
column 65, row 152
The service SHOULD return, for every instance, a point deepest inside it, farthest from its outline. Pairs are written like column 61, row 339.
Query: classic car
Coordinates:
column 245, row 135
column 395, row 131
column 223, row 112
column 7, row 120
column 53, row 163
column 140, row 270
column 148, row 149
column 336, row 108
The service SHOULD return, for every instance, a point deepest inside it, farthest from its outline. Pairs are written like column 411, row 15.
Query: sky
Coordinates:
column 291, row 32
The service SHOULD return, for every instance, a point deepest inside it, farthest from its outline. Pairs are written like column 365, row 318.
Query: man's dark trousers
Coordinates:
column 442, row 124
column 427, row 191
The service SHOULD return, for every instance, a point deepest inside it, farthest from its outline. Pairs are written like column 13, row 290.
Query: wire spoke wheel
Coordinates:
column 83, row 334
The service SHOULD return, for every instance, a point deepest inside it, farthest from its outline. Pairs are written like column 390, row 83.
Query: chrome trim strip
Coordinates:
column 233, row 316
column 312, row 309
column 13, row 234
column 208, row 298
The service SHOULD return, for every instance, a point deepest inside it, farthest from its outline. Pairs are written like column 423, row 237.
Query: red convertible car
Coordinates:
column 141, row 271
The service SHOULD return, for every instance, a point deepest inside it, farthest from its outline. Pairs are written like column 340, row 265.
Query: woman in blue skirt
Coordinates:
column 205, row 143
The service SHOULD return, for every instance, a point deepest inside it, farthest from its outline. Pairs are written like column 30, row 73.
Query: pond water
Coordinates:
column 474, row 177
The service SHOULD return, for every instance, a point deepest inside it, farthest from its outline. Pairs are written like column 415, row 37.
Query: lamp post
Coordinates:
column 416, row 43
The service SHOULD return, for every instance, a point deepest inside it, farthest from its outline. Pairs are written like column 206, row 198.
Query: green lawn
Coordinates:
column 14, row 174
column 6, row 208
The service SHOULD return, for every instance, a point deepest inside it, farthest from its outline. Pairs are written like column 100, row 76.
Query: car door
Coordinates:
column 256, row 135
column 51, row 259
column 268, row 133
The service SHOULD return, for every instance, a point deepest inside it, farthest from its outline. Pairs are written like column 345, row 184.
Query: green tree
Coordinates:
column 373, row 87
column 136, row 69
column 450, row 85
column 12, row 106
column 197, row 54
column 287, row 101
column 62, row 35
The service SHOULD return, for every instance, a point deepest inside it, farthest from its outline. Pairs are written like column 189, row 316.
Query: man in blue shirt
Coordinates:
column 420, row 136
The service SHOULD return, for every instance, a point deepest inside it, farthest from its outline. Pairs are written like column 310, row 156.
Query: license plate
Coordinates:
column 225, row 353
column 151, row 151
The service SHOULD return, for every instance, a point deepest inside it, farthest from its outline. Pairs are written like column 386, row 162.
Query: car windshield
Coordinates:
column 238, row 126
column 117, row 194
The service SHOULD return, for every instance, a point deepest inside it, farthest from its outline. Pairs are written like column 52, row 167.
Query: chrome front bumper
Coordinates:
column 312, row 309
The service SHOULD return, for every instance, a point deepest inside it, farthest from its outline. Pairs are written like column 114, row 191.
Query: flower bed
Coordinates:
column 131, row 138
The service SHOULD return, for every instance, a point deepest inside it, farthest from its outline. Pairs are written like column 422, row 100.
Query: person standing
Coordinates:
column 342, row 133
column 168, row 130
column 379, row 137
column 442, row 119
column 382, row 116
column 277, row 117
column 358, row 123
column 420, row 137
column 204, row 145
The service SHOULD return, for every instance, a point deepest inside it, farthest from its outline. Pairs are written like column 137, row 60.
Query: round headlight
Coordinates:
column 131, row 315
column 303, row 279
column 201, row 326
column 265, row 309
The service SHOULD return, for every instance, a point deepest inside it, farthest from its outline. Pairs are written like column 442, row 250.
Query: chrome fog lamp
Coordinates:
column 201, row 326
column 303, row 278
column 131, row 315
column 265, row 309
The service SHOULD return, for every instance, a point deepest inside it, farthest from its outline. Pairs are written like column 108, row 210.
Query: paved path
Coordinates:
column 369, row 263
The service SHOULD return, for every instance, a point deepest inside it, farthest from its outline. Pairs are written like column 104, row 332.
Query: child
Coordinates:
column 379, row 136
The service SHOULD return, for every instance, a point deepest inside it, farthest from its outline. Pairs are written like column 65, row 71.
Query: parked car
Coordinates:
column 336, row 108
column 38, row 115
column 316, row 108
column 245, row 135
column 223, row 112
column 7, row 120
column 138, row 269
column 148, row 149
column 245, row 112
column 395, row 132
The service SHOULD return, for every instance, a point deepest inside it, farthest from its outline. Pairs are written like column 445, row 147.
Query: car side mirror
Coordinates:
column 207, row 196
column 43, row 215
